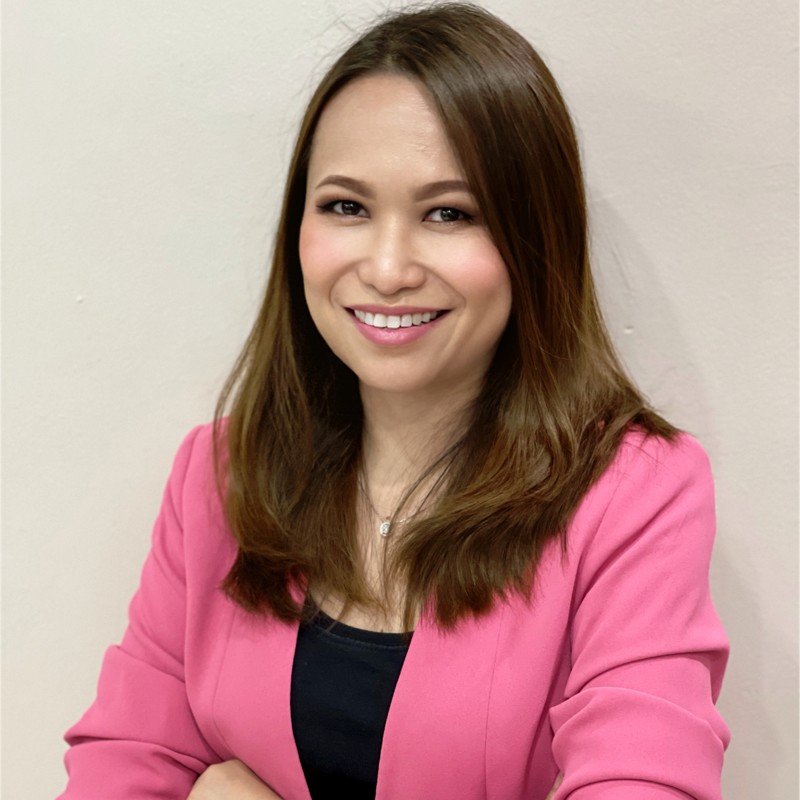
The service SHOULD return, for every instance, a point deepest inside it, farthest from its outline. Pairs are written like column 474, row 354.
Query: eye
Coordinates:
column 344, row 208
column 448, row 215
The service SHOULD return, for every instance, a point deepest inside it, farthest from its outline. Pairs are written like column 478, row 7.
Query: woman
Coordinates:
column 435, row 490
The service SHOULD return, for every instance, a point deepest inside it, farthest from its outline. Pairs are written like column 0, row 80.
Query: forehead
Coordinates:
column 380, row 122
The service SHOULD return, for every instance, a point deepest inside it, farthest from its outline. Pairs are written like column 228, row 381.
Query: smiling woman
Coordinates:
column 394, row 251
column 435, row 544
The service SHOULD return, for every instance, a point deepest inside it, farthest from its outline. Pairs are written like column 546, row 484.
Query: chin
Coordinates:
column 393, row 382
column 395, row 386
column 414, row 386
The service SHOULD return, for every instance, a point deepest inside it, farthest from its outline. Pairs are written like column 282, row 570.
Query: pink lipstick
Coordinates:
column 395, row 325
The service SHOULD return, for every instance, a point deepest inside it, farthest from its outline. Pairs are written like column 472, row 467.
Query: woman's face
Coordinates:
column 401, row 277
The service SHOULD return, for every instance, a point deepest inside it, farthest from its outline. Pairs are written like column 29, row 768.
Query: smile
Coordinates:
column 395, row 321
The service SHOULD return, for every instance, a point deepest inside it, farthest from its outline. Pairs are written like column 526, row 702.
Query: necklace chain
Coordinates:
column 384, row 523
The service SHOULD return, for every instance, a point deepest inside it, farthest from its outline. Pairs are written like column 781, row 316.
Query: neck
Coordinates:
column 403, row 435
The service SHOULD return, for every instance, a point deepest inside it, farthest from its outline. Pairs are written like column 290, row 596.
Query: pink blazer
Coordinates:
column 608, row 673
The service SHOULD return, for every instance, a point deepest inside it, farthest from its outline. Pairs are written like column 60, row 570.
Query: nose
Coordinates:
column 390, row 263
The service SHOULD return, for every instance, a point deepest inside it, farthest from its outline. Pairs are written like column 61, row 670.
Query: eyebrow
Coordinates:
column 425, row 192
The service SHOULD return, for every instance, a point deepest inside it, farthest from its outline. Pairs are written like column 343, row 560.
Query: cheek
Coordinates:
column 485, row 277
column 323, row 264
column 315, row 267
column 489, row 286
column 320, row 252
column 309, row 248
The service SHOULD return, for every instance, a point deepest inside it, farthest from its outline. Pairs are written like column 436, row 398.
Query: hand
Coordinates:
column 552, row 793
column 230, row 780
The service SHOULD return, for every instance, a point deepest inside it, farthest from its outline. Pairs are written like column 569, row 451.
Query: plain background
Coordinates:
column 145, row 144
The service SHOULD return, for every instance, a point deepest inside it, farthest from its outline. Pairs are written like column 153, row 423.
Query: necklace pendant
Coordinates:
column 384, row 529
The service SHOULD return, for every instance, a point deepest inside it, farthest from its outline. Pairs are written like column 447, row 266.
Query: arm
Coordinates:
column 648, row 651
column 139, row 739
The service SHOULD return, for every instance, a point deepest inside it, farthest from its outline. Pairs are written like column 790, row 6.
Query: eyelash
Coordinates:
column 329, row 208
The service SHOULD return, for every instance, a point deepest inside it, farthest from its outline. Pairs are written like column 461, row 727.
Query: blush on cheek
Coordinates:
column 483, row 270
column 319, row 249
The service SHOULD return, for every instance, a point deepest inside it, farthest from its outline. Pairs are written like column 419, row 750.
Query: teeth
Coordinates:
column 392, row 321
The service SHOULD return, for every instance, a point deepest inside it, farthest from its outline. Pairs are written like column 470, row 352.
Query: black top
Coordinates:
column 343, row 680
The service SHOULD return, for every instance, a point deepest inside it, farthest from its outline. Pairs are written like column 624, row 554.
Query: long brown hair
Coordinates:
column 555, row 402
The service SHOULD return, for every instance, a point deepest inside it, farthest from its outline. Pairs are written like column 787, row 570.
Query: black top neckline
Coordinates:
column 333, row 627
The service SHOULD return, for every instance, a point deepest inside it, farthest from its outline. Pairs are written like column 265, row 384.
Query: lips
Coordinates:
column 394, row 321
column 395, row 326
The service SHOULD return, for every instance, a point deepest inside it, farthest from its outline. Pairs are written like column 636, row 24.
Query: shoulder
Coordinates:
column 655, row 494
column 647, row 457
column 192, row 502
column 196, row 449
column 648, row 469
column 193, row 467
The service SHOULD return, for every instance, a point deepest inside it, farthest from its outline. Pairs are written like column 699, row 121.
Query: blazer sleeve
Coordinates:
column 139, row 739
column 648, row 650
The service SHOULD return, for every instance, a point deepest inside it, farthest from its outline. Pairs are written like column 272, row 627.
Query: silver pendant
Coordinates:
column 384, row 529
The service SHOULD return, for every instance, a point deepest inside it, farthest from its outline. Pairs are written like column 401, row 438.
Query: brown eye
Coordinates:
column 349, row 208
column 447, row 215
column 343, row 208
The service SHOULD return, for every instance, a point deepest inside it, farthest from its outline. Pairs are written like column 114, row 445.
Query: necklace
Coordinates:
column 384, row 523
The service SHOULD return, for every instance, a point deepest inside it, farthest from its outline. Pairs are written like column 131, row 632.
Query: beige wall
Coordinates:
column 145, row 143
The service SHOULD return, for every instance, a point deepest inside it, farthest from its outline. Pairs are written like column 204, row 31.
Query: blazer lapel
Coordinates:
column 252, row 706
column 435, row 736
